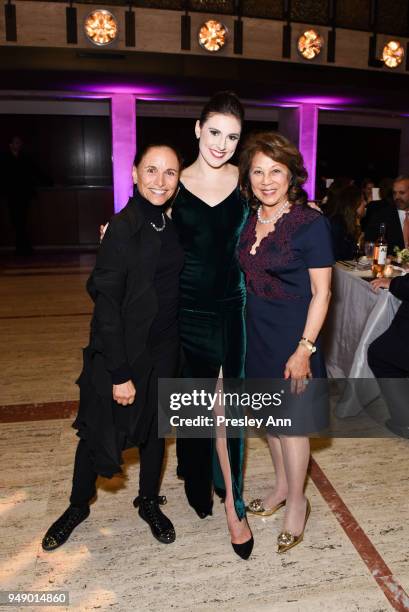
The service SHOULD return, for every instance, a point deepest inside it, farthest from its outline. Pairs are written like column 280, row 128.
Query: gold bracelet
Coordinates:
column 308, row 344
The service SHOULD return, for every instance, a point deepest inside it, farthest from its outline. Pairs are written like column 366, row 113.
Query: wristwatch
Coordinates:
column 308, row 344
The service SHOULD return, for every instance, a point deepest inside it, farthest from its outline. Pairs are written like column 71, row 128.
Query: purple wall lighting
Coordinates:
column 123, row 122
column 308, row 136
column 327, row 100
column 108, row 89
column 300, row 126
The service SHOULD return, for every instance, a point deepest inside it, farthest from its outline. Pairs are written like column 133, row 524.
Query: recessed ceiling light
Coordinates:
column 393, row 54
column 213, row 35
column 310, row 44
column 101, row 27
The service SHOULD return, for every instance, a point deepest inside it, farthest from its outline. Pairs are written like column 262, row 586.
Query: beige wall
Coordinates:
column 42, row 24
column 352, row 49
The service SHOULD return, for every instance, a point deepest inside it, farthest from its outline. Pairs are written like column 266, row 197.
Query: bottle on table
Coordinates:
column 380, row 253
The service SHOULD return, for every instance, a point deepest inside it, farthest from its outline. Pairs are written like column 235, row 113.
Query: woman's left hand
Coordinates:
column 298, row 369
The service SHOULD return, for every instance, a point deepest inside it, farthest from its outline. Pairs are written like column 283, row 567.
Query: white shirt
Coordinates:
column 402, row 215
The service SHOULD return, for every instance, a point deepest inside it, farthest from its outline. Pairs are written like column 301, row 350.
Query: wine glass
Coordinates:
column 369, row 249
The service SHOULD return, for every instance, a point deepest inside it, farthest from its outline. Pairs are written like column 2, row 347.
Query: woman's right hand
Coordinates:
column 102, row 230
column 124, row 394
column 298, row 369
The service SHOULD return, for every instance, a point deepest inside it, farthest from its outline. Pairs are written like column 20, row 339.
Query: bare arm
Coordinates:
column 321, row 294
column 298, row 365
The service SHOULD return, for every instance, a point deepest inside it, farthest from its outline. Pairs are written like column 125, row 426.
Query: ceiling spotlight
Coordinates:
column 101, row 27
column 310, row 44
column 212, row 35
column 393, row 54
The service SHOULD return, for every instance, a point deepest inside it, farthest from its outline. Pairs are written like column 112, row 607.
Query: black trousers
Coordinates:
column 166, row 358
column 151, row 458
column 388, row 358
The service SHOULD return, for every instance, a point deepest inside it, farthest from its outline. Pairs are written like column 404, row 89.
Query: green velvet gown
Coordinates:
column 212, row 329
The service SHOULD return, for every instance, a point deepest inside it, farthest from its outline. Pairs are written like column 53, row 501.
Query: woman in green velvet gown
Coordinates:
column 209, row 214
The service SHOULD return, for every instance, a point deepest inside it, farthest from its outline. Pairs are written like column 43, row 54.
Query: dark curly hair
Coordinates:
column 281, row 150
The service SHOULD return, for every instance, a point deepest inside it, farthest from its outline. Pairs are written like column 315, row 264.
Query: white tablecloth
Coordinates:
column 357, row 315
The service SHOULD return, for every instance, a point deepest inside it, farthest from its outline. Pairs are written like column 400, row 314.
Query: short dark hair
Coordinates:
column 281, row 150
column 140, row 154
column 224, row 103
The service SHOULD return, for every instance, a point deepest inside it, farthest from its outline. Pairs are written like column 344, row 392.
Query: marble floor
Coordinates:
column 355, row 553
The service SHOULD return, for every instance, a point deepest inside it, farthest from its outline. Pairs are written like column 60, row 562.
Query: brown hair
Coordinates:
column 344, row 205
column 224, row 103
column 281, row 150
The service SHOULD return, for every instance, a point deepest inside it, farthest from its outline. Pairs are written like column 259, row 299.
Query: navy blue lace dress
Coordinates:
column 279, row 291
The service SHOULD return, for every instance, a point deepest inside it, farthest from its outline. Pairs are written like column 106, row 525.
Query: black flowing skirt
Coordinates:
column 108, row 427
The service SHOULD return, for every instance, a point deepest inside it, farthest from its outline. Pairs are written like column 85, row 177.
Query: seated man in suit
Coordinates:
column 396, row 217
column 388, row 357
column 374, row 206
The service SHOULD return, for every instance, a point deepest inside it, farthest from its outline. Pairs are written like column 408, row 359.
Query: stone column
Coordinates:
column 300, row 125
column 123, row 125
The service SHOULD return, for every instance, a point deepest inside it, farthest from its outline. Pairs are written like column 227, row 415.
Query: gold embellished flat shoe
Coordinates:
column 287, row 540
column 257, row 507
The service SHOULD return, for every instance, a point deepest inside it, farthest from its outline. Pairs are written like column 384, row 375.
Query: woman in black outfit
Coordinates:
column 134, row 340
column 344, row 210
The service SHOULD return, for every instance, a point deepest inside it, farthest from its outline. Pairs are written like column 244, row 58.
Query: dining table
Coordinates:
column 357, row 316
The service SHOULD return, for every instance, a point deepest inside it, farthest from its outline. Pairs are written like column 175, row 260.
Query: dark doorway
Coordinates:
column 358, row 152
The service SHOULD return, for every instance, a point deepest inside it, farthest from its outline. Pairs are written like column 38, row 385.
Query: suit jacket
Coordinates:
column 372, row 209
column 121, row 286
column 390, row 216
column 400, row 288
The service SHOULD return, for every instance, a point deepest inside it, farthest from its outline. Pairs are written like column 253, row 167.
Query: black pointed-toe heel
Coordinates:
column 244, row 550
column 60, row 531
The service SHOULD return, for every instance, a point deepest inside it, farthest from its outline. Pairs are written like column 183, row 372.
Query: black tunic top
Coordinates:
column 166, row 280
column 134, row 286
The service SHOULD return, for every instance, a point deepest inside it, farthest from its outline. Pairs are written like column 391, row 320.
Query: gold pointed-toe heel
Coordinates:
column 287, row 540
column 257, row 508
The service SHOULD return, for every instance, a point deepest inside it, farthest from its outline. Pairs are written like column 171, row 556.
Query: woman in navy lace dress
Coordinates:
column 286, row 254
